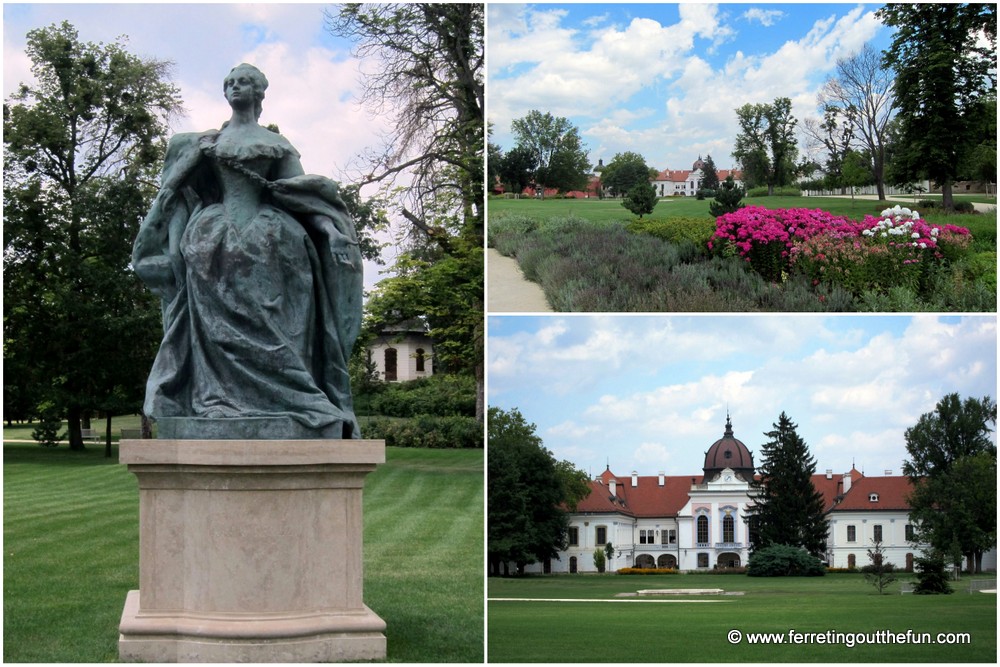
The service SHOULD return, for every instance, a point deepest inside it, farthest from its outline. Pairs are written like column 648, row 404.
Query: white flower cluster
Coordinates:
column 899, row 221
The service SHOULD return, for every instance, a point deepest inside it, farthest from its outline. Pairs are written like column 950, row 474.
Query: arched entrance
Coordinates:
column 645, row 561
column 667, row 561
column 728, row 559
column 572, row 564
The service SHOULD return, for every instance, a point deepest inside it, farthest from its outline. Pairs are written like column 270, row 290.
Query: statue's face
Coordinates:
column 242, row 88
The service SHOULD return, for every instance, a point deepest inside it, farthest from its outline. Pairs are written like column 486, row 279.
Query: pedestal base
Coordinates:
column 250, row 551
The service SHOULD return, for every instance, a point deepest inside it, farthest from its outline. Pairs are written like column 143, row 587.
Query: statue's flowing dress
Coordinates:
column 261, row 288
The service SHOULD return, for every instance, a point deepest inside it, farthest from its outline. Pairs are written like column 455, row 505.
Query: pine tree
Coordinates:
column 788, row 508
column 727, row 199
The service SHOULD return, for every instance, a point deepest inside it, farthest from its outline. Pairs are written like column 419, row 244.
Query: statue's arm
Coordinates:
column 154, row 255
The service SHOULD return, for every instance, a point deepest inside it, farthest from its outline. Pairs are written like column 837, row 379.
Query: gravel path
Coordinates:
column 507, row 289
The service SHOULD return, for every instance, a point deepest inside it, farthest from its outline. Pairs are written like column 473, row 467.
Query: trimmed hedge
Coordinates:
column 786, row 191
column 677, row 230
column 647, row 570
column 442, row 395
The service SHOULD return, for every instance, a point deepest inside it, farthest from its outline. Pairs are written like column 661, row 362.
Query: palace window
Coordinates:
column 851, row 534
column 877, row 532
column 647, row 536
column 601, row 535
column 909, row 532
column 420, row 360
column 703, row 530
column 573, row 539
column 728, row 529
column 703, row 560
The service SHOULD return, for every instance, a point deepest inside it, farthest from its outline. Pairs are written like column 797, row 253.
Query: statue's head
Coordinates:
column 257, row 79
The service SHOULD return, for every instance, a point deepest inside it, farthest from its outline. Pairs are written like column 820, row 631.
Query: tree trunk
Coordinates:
column 73, row 419
column 107, row 436
column 947, row 201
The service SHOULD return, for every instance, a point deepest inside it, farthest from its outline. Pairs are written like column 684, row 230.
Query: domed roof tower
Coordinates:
column 698, row 164
column 728, row 452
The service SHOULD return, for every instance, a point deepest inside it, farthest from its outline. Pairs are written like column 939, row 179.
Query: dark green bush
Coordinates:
column 428, row 431
column 782, row 560
column 442, row 395
column 932, row 576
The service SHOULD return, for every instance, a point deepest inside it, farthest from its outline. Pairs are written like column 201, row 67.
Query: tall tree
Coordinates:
column 787, row 509
column 559, row 156
column 80, row 146
column 766, row 146
column 525, row 487
column 710, row 181
column 952, row 467
column 517, row 168
column 835, row 133
column 624, row 172
column 430, row 168
column 944, row 57
column 862, row 95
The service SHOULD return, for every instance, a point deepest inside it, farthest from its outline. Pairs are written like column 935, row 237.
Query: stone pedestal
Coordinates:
column 250, row 551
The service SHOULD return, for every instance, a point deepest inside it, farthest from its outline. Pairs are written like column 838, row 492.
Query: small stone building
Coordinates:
column 403, row 352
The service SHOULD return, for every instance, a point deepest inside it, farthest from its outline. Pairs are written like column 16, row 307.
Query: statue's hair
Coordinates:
column 259, row 85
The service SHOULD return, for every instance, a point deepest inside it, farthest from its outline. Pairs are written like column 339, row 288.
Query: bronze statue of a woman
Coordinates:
column 259, row 271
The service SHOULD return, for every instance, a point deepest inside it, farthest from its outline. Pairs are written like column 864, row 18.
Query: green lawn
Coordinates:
column 598, row 210
column 71, row 553
column 638, row 631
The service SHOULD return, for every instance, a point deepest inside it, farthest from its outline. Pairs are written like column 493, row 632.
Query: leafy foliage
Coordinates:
column 80, row 150
column 944, row 59
column 624, row 172
column 953, row 465
column 557, row 151
column 525, row 522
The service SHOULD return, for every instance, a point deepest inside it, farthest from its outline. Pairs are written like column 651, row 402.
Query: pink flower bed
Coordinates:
column 774, row 240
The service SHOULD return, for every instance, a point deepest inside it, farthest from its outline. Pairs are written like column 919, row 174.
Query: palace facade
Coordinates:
column 696, row 522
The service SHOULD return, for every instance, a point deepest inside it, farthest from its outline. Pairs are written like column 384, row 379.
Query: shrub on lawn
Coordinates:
column 647, row 570
column 725, row 570
column 782, row 560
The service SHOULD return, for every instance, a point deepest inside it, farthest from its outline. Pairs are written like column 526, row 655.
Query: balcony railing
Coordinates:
column 728, row 545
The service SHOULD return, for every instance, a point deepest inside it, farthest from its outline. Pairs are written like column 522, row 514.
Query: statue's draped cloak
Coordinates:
column 259, row 319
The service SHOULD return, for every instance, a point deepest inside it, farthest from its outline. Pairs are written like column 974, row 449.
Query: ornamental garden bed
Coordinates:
column 785, row 259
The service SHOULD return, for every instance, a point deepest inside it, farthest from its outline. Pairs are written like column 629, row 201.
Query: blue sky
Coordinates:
column 650, row 393
column 664, row 79
column 314, row 82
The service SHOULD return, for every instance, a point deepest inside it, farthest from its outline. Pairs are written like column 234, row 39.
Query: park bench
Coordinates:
column 90, row 435
column 982, row 585
column 131, row 433
column 906, row 587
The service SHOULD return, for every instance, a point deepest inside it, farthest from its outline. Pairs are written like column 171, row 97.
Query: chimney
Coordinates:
column 847, row 482
column 829, row 473
column 635, row 479
column 888, row 473
column 611, row 487
column 660, row 479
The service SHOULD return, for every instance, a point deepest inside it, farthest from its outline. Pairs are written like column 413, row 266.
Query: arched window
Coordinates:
column 703, row 529
column 728, row 529
column 390, row 364
column 420, row 360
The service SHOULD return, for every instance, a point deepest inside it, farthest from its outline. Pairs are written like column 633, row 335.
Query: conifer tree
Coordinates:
column 788, row 509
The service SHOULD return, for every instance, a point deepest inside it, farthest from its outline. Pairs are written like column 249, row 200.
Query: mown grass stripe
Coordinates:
column 71, row 554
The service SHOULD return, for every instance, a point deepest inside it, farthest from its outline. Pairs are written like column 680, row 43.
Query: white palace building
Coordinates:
column 697, row 522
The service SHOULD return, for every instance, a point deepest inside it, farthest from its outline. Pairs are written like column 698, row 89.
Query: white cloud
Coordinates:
column 766, row 17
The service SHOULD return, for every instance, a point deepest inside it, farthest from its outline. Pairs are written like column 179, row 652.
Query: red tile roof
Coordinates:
column 649, row 499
